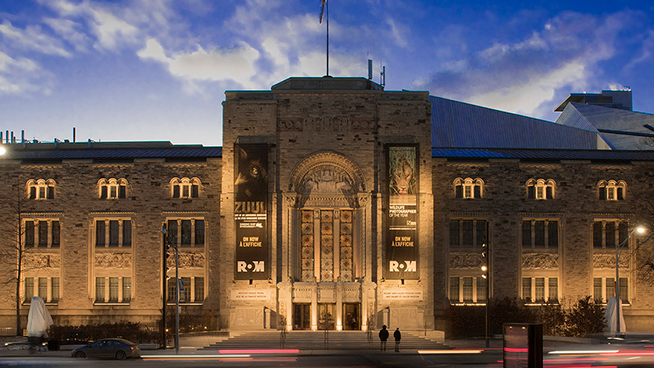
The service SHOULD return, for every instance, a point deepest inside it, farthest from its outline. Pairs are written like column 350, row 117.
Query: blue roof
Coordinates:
column 35, row 152
column 458, row 124
column 542, row 154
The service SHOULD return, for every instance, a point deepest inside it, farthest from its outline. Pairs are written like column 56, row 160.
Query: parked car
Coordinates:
column 108, row 348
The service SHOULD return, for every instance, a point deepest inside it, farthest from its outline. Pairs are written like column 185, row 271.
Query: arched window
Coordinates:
column 112, row 188
column 541, row 189
column 611, row 190
column 468, row 188
column 41, row 189
column 184, row 187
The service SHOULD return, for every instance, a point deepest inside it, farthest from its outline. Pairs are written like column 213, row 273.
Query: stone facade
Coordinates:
column 328, row 262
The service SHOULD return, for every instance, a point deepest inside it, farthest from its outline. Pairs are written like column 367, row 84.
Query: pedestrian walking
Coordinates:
column 383, row 336
column 398, row 336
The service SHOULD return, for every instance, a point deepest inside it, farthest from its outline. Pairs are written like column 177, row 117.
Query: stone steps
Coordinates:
column 312, row 340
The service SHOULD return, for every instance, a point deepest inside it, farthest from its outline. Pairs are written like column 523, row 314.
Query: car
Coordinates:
column 108, row 348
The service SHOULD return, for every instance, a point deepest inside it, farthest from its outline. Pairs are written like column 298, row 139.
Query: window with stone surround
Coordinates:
column 540, row 289
column 46, row 287
column 467, row 289
column 468, row 188
column 41, row 189
column 540, row 189
column 186, row 231
column 113, row 289
column 604, row 289
column 611, row 190
column 191, row 290
column 112, row 188
column 609, row 233
column 41, row 233
column 468, row 233
column 113, row 232
column 540, row 233
column 184, row 187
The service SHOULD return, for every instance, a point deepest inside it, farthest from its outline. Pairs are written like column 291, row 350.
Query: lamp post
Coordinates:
column 639, row 230
column 165, row 271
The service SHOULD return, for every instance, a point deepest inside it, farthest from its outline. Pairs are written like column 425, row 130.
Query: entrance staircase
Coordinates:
column 332, row 340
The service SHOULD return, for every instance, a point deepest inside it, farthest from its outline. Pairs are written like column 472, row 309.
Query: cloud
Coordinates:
column 69, row 30
column 398, row 33
column 521, row 76
column 33, row 39
column 18, row 75
column 235, row 64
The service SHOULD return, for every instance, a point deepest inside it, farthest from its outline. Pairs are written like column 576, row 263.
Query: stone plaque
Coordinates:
column 251, row 294
column 402, row 294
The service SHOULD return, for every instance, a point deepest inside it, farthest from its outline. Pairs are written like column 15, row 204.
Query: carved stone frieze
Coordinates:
column 41, row 260
column 113, row 260
column 325, row 124
column 608, row 261
column 327, row 172
column 540, row 260
column 465, row 260
column 187, row 260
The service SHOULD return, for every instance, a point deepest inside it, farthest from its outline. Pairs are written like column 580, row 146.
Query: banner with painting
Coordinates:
column 250, row 211
column 401, row 251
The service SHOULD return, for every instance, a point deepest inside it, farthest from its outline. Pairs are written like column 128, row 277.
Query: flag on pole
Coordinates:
column 322, row 9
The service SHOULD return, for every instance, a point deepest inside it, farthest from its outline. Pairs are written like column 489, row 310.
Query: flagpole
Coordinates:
column 327, row 5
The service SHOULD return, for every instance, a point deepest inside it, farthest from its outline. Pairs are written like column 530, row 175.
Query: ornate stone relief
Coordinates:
column 41, row 260
column 325, row 124
column 465, row 260
column 327, row 173
column 113, row 260
column 540, row 260
column 187, row 260
column 608, row 261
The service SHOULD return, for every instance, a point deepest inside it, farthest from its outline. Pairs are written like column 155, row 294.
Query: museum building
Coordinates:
column 336, row 204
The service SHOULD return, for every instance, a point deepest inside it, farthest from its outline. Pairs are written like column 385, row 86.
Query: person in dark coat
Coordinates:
column 383, row 336
column 398, row 336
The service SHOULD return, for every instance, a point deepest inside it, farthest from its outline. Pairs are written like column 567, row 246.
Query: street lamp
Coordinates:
column 639, row 230
column 3, row 150
column 165, row 250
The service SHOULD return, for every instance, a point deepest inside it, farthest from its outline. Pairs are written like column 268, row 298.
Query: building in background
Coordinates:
column 333, row 204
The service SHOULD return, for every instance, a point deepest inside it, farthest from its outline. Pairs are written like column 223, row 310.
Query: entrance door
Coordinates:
column 301, row 316
column 351, row 316
column 326, row 317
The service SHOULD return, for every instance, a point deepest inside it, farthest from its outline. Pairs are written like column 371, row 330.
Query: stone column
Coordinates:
column 339, row 305
column 314, row 307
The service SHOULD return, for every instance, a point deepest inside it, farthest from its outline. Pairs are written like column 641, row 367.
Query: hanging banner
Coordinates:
column 250, row 211
column 401, row 255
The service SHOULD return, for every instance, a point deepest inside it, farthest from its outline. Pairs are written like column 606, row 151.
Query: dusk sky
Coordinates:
column 157, row 70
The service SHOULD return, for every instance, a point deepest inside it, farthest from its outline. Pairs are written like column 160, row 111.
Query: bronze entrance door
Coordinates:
column 351, row 316
column 301, row 316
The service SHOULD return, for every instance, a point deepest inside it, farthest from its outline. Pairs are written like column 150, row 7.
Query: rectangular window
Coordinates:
column 127, row 233
column 539, row 230
column 186, row 233
column 194, row 191
column 113, row 289
column 610, row 288
column 176, row 191
column 185, row 290
column 481, row 289
column 540, row 193
column 467, row 233
column 540, row 289
column 454, row 289
column 199, row 289
column 454, row 233
column 100, row 233
column 29, row 288
column 553, row 234
column 623, row 233
column 43, row 288
column 171, row 290
column 99, row 289
column 42, row 192
column 467, row 191
column 458, row 193
column 199, row 232
column 185, row 189
column 526, row 289
column 624, row 290
column 172, row 232
column 122, row 191
column 113, row 191
column 609, row 229
column 127, row 289
column 610, row 194
column 55, row 289
column 481, row 232
column 43, row 233
column 477, row 189
column 29, row 233
column 56, row 234
column 597, row 234
column 526, row 234
column 549, row 192
column 531, row 192
column 553, row 295
column 467, row 289
column 114, row 231
column 597, row 289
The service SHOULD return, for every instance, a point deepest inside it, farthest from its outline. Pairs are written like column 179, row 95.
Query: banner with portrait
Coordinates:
column 251, row 211
column 401, row 250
